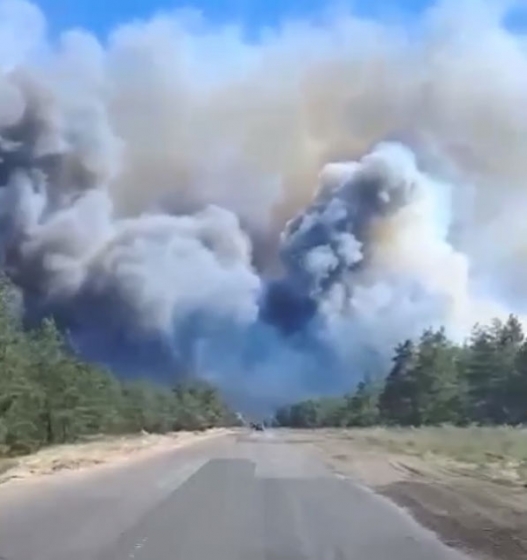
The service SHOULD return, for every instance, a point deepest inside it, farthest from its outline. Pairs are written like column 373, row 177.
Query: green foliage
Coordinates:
column 362, row 407
column 49, row 396
column 198, row 406
column 434, row 381
column 396, row 400
column 493, row 375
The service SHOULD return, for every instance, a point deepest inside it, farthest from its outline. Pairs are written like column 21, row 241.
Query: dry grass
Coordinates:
column 95, row 452
column 7, row 464
column 496, row 452
column 465, row 484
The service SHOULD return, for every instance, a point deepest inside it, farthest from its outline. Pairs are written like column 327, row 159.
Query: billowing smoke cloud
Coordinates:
column 159, row 191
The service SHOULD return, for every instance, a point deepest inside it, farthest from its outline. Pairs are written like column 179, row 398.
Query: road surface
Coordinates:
column 236, row 497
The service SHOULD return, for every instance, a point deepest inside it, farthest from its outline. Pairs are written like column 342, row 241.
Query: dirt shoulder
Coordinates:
column 98, row 451
column 480, row 509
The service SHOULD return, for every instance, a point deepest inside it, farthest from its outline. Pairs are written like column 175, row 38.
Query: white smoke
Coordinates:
column 160, row 266
column 411, row 274
column 147, row 180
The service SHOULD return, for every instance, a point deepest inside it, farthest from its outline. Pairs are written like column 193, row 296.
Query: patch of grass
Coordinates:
column 498, row 450
column 6, row 464
column 99, row 450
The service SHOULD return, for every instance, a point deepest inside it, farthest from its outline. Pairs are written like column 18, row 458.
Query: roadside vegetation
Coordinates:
column 497, row 453
column 434, row 381
column 49, row 396
column 479, row 445
column 444, row 435
column 467, row 484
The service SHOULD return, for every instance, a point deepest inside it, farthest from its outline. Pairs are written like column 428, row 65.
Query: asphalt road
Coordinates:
column 243, row 497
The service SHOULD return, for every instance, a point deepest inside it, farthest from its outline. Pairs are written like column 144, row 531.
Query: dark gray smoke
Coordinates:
column 332, row 238
column 147, row 191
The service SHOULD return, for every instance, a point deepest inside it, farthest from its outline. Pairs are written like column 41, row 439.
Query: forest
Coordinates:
column 434, row 381
column 50, row 396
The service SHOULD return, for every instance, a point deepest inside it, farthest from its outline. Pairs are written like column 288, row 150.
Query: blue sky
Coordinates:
column 100, row 16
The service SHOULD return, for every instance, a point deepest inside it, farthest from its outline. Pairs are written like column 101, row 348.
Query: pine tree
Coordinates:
column 491, row 370
column 396, row 400
column 437, row 380
column 363, row 405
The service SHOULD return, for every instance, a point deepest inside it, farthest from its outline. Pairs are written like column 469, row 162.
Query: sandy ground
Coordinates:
column 475, row 510
column 99, row 451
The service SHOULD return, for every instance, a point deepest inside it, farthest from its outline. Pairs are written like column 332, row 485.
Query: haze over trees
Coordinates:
column 49, row 396
column 434, row 381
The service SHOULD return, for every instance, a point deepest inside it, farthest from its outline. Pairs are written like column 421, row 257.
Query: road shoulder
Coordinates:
column 99, row 452
column 477, row 515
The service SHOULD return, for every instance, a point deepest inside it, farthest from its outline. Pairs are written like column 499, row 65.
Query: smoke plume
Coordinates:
column 271, row 214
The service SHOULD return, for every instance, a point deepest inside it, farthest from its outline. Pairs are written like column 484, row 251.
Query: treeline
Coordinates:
column 49, row 396
column 434, row 381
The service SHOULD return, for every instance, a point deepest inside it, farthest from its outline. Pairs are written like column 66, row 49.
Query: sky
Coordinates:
column 100, row 16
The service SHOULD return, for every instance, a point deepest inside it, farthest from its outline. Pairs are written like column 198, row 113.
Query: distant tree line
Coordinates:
column 434, row 381
column 50, row 396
